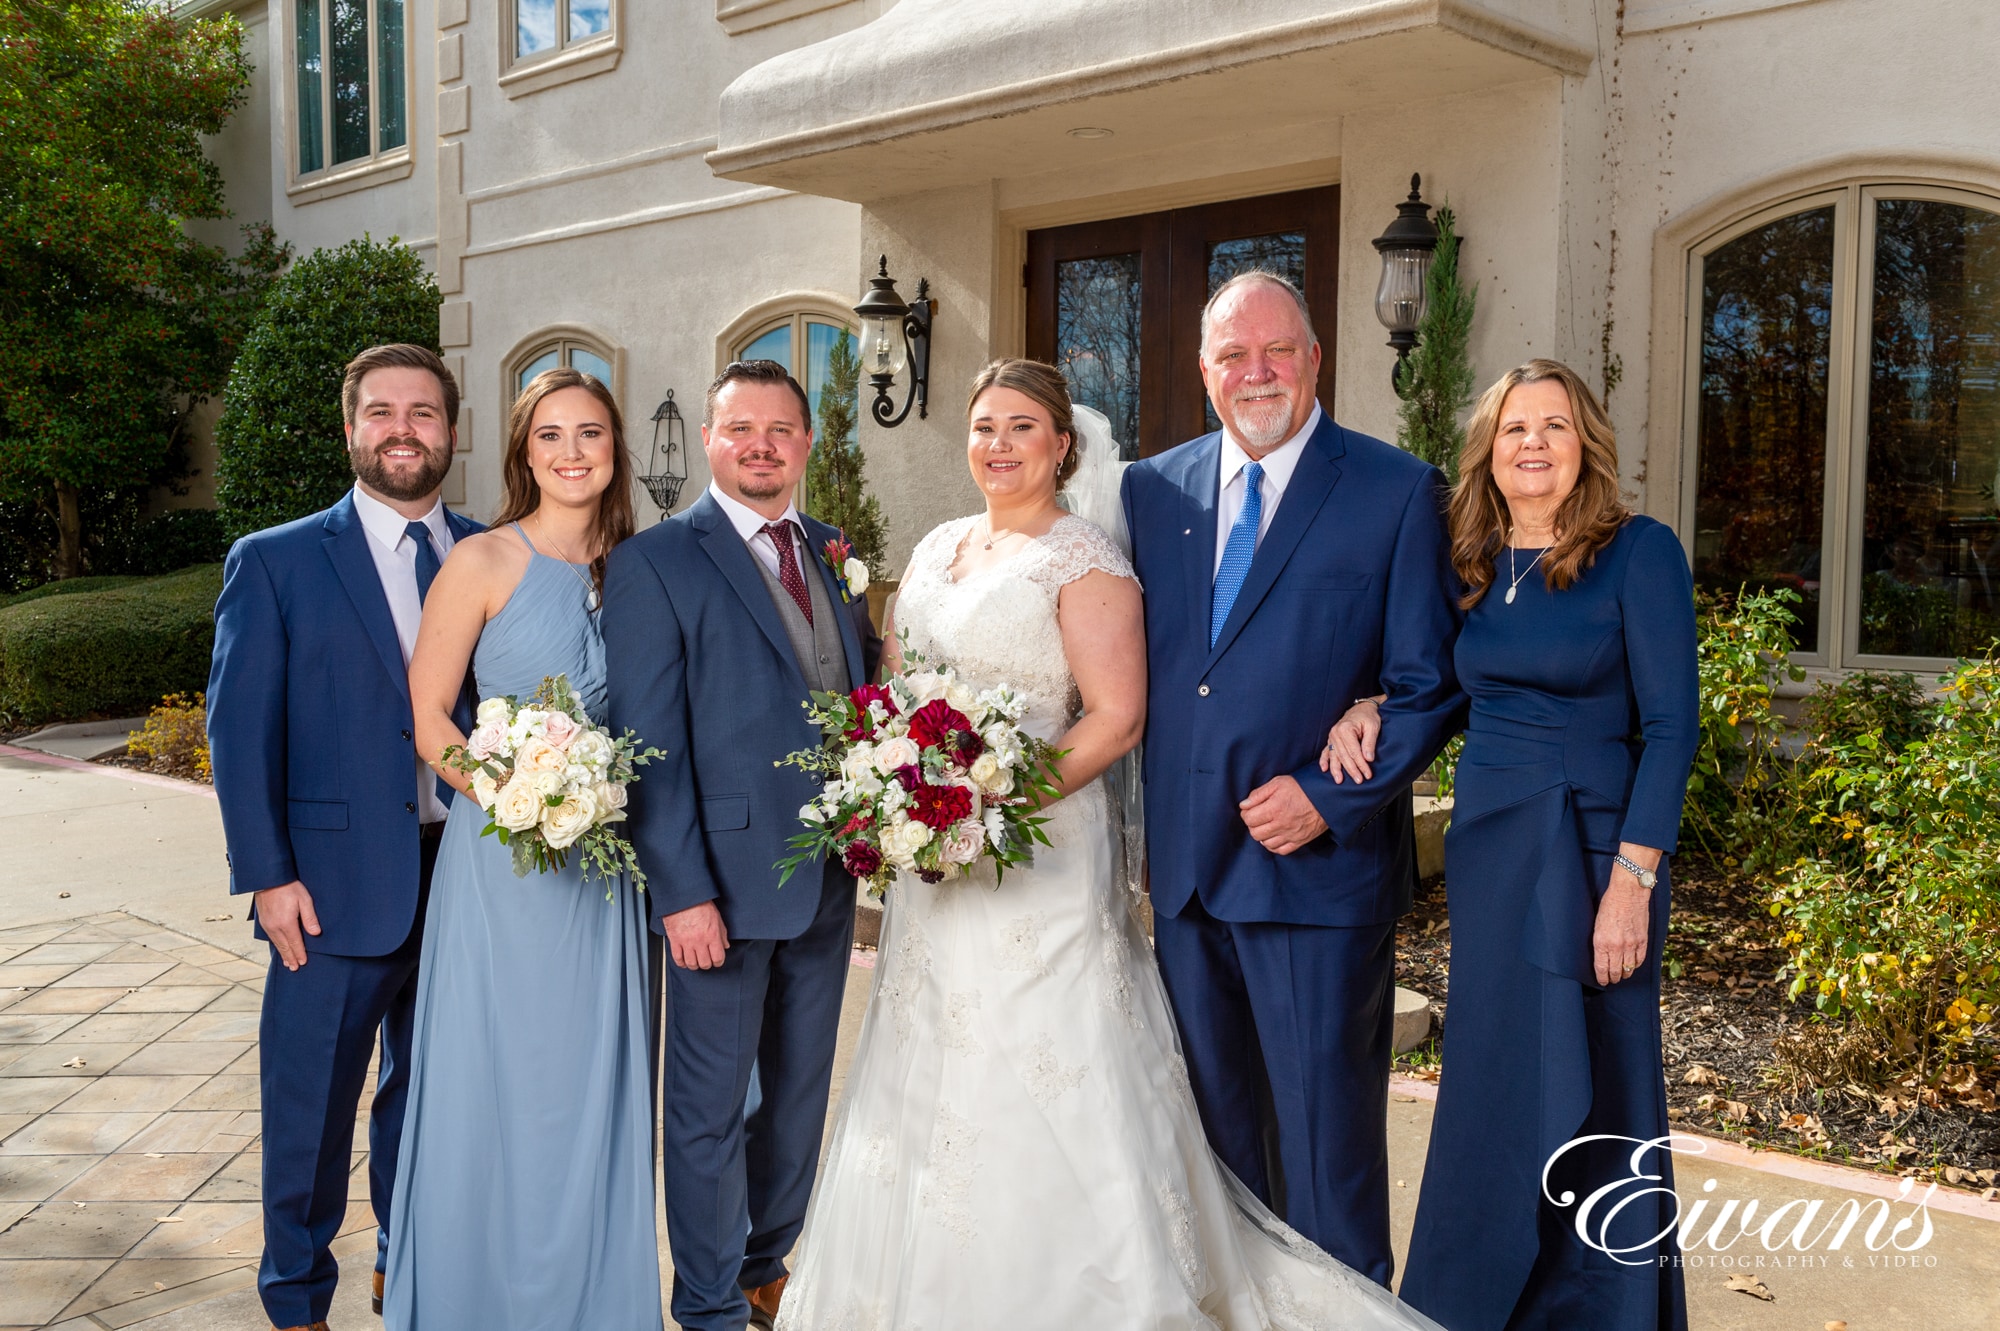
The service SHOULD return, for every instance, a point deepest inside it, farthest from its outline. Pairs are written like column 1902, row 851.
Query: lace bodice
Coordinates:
column 999, row 625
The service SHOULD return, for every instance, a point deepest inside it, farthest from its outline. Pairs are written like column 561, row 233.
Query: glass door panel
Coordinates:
column 1283, row 253
column 1930, row 538
column 1099, row 338
column 1760, row 488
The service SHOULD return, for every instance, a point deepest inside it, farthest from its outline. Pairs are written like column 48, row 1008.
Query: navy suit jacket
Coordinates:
column 1351, row 593
column 699, row 665
column 310, row 730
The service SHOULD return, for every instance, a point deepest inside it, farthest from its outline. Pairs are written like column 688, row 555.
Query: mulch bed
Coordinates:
column 1721, row 1021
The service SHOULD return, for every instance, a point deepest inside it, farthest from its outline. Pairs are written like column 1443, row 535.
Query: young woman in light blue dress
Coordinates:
column 524, row 1190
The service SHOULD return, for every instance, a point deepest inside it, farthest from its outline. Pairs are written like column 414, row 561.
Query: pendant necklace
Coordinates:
column 1515, row 585
column 591, row 599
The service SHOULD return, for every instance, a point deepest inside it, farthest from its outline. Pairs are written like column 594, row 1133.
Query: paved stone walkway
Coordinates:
column 129, row 1154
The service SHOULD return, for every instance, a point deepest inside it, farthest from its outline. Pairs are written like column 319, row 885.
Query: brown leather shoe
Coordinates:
column 375, row 1302
column 764, row 1303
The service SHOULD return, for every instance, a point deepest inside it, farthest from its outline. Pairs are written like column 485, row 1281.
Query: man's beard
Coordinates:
column 761, row 487
column 1266, row 423
column 404, row 485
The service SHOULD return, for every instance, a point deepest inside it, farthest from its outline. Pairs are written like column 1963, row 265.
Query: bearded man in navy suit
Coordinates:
column 1290, row 567
column 332, row 821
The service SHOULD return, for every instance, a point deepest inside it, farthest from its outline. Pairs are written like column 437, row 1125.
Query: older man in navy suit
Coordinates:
column 718, row 624
column 1290, row 566
column 332, row 820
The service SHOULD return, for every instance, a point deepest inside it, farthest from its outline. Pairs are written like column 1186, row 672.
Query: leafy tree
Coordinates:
column 111, row 315
column 836, row 489
column 282, row 451
column 1436, row 382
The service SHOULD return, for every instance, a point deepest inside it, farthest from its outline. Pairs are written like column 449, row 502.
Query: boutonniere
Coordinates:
column 849, row 573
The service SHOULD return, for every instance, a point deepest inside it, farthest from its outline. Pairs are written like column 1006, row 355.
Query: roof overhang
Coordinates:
column 943, row 92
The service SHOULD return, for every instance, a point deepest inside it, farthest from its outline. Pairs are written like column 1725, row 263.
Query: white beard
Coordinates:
column 1265, row 425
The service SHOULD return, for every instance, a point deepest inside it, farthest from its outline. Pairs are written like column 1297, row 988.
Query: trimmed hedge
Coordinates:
column 115, row 650
column 70, row 587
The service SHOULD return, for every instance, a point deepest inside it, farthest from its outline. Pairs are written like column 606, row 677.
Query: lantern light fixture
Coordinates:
column 666, row 473
column 895, row 336
column 1406, row 247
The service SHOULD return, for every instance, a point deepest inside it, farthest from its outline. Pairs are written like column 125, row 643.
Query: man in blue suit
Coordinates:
column 718, row 624
column 332, row 821
column 1290, row 567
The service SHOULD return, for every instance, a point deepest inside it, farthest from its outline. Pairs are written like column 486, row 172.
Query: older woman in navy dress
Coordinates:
column 1579, row 657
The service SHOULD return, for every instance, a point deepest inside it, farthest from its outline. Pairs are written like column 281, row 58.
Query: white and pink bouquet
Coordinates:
column 551, row 781
column 922, row 775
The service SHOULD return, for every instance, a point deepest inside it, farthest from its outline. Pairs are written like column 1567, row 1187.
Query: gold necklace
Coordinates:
column 591, row 599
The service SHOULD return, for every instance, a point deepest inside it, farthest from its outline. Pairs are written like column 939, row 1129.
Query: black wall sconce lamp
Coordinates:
column 1406, row 249
column 665, row 475
column 894, row 335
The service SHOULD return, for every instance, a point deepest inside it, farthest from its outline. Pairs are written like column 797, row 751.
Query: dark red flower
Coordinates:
column 938, row 807
column 934, row 723
column 864, row 724
column 858, row 822
column 931, row 875
column 862, row 859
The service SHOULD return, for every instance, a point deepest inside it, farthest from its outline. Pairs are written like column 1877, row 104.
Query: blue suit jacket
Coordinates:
column 310, row 730
column 1351, row 593
column 700, row 666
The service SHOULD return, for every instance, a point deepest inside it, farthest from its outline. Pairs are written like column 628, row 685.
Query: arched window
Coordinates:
column 797, row 332
column 577, row 353
column 1843, row 416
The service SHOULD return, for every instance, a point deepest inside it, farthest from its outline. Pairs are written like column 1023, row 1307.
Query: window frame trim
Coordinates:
column 1850, row 184
column 557, row 337
column 381, row 165
column 567, row 61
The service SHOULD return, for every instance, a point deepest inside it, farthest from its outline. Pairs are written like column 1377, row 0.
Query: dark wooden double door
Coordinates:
column 1117, row 304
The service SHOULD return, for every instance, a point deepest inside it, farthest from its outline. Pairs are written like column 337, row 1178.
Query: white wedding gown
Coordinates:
column 1017, row 1147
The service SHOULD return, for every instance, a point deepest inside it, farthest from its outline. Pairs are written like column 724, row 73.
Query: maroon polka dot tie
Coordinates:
column 788, row 566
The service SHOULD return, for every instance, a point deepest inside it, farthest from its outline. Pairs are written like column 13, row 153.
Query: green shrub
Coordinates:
column 281, row 450
column 70, row 587
column 115, row 650
column 1893, row 919
column 166, row 542
column 1738, row 793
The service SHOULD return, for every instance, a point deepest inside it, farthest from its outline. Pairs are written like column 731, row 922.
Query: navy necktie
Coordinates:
column 427, row 560
column 1240, row 550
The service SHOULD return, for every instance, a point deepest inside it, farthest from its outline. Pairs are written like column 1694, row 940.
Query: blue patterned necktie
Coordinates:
column 427, row 559
column 1240, row 550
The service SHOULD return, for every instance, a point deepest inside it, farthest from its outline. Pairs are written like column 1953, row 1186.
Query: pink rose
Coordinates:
column 964, row 843
column 559, row 728
column 487, row 740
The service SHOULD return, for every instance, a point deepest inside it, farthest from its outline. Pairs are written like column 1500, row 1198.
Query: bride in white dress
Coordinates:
column 1017, row 1146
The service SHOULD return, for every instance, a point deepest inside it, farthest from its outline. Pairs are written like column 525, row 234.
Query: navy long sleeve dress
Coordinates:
column 1582, row 730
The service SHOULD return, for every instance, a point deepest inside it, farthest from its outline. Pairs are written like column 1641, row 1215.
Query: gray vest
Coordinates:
column 817, row 646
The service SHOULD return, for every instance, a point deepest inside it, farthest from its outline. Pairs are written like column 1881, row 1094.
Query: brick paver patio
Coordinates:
column 129, row 1149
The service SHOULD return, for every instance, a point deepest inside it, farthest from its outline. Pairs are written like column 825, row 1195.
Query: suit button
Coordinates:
column 406, row 734
column 822, row 660
column 409, row 806
column 1203, row 690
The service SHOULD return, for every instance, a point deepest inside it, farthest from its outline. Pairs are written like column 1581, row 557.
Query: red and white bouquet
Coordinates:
column 551, row 781
column 924, row 775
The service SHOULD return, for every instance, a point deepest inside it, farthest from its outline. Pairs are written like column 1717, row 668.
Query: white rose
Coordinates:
column 491, row 711
column 856, row 574
column 538, row 755
column 860, row 760
column 591, row 749
column 544, row 784
column 963, row 843
column 984, row 771
column 484, row 788
column 517, row 805
column 569, row 820
column 925, row 686
column 961, row 698
column 902, row 840
column 891, row 754
column 610, row 795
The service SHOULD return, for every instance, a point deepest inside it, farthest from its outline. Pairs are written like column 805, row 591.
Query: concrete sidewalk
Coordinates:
column 129, row 1155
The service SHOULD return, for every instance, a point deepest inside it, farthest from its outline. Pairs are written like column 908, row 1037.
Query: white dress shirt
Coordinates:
column 1279, row 464
column 749, row 524
column 395, row 554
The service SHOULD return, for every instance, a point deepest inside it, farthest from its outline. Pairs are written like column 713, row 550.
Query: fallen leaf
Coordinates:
column 1709, row 977
column 76, row 1062
column 1836, row 1326
column 1401, row 1184
column 154, row 1155
column 1751, row 1285
column 167, row 1219
column 214, row 919
column 1953, row 1174
column 159, row 1284
column 61, row 895
column 1701, row 1076
column 1991, row 1195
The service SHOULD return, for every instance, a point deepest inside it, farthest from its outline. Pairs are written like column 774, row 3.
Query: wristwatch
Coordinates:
column 1646, row 877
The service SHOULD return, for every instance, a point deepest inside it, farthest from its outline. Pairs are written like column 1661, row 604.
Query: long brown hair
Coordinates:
column 1586, row 519
column 521, row 494
column 1045, row 385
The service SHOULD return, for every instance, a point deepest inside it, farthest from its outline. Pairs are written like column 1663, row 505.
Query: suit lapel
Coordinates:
column 346, row 546
column 733, row 558
column 1198, row 497
column 1312, row 481
column 817, row 535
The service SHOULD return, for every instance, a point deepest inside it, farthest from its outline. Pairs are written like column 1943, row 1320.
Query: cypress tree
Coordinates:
column 836, row 488
column 1436, row 381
